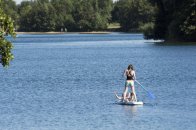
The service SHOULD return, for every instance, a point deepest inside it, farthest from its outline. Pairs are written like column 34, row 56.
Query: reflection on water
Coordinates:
column 132, row 110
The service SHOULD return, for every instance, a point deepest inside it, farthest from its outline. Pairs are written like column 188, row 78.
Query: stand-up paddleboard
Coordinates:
column 130, row 103
column 127, row 102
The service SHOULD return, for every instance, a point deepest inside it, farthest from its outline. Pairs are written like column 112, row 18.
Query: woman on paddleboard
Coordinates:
column 129, row 73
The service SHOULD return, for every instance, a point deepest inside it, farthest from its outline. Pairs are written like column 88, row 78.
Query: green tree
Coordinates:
column 10, row 7
column 83, row 15
column 92, row 14
column 74, row 15
column 105, row 9
column 131, row 14
column 63, row 9
column 175, row 20
column 37, row 16
column 25, row 9
column 6, row 28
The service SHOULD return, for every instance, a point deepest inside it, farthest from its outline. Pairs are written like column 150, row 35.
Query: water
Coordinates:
column 66, row 82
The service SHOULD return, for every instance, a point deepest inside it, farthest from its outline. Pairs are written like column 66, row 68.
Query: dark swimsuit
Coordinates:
column 130, row 76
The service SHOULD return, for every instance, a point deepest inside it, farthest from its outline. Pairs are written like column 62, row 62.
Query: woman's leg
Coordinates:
column 134, row 93
column 125, row 92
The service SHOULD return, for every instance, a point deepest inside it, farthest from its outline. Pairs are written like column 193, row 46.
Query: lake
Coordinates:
column 67, row 82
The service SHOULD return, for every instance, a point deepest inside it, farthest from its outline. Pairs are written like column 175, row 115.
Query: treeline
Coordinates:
column 55, row 15
column 171, row 20
column 158, row 19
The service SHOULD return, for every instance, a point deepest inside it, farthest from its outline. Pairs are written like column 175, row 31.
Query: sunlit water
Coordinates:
column 66, row 82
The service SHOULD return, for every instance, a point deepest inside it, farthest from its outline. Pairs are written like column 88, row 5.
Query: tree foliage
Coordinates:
column 131, row 14
column 92, row 14
column 10, row 8
column 175, row 20
column 74, row 15
column 63, row 16
column 6, row 28
column 37, row 16
column 158, row 19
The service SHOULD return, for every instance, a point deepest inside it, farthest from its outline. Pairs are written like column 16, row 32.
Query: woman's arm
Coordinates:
column 125, row 73
column 134, row 75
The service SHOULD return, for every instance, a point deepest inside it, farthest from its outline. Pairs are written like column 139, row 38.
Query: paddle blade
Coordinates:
column 151, row 95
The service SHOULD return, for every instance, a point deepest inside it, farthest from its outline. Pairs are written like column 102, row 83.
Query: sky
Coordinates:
column 18, row 1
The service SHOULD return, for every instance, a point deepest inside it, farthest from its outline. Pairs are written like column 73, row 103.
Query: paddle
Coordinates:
column 149, row 93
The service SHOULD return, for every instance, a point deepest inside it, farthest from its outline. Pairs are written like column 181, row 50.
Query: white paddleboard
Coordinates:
column 131, row 103
column 121, row 102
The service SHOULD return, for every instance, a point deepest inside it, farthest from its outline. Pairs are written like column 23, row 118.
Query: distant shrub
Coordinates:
column 147, row 29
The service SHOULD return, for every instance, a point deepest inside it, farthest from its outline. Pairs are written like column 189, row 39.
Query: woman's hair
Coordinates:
column 130, row 67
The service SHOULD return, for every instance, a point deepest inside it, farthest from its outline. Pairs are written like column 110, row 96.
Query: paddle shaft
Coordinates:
column 141, row 85
column 151, row 95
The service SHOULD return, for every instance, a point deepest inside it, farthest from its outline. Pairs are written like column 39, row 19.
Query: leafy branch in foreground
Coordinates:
column 6, row 28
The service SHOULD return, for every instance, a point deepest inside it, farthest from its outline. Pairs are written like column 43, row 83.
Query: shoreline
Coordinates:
column 93, row 32
column 164, row 42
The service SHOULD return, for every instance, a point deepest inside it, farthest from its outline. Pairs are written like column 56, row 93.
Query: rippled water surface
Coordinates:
column 66, row 82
